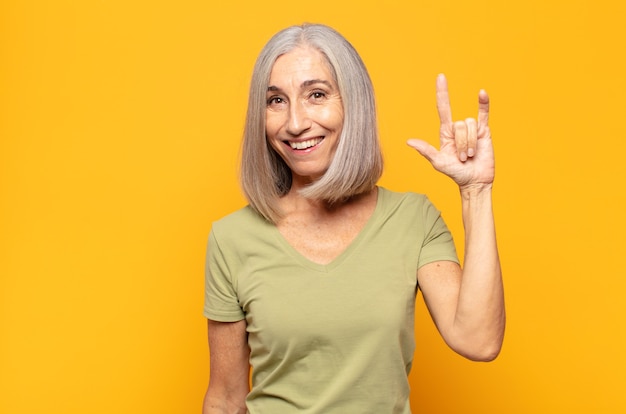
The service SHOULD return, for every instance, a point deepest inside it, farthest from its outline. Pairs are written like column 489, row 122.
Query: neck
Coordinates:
column 294, row 203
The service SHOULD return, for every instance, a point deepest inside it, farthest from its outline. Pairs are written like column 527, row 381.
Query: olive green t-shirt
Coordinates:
column 327, row 339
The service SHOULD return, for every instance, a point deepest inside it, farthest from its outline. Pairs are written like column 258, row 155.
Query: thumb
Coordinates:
column 428, row 151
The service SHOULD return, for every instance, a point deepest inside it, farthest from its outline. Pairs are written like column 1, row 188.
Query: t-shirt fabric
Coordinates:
column 327, row 339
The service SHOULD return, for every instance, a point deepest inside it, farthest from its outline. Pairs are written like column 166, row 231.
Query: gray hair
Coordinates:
column 357, row 164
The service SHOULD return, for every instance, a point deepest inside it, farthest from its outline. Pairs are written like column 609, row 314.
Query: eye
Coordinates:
column 317, row 95
column 275, row 100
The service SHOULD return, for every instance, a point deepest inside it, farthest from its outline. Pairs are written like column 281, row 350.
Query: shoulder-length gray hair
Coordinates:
column 357, row 164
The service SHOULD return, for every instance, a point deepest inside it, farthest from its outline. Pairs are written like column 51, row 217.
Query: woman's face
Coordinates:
column 304, row 114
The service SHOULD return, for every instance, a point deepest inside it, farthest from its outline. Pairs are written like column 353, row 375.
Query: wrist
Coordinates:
column 472, row 190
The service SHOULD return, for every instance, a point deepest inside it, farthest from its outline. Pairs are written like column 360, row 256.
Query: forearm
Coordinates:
column 480, row 314
column 230, row 369
column 216, row 404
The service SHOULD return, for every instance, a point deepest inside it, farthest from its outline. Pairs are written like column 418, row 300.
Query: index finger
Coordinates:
column 443, row 100
column 483, row 108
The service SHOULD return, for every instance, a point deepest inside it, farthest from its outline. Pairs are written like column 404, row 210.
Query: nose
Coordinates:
column 299, row 120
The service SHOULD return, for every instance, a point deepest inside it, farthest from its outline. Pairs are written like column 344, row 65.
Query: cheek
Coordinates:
column 272, row 125
column 276, row 145
column 333, row 117
column 271, row 132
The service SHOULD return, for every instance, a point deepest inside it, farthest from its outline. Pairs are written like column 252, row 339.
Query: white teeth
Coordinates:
column 305, row 144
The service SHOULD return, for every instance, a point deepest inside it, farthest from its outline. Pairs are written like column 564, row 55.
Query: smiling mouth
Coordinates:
column 302, row 145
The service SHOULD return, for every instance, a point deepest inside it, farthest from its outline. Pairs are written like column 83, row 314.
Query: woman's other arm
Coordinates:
column 230, row 368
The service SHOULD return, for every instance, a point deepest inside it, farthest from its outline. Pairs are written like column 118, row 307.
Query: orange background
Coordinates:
column 120, row 124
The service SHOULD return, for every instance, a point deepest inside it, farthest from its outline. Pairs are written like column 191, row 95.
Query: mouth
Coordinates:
column 303, row 145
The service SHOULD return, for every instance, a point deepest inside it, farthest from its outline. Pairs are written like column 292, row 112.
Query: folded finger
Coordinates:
column 472, row 134
column 460, row 139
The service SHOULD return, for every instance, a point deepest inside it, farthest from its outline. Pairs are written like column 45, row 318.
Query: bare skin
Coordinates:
column 467, row 305
column 229, row 353
column 321, row 233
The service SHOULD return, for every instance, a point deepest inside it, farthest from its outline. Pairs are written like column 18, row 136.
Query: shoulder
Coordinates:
column 407, row 207
column 244, row 219
column 393, row 199
column 239, row 228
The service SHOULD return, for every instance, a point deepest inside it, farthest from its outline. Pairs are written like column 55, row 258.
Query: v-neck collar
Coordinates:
column 346, row 253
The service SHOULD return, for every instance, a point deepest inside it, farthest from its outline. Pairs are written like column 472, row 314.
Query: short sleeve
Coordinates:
column 438, row 243
column 220, row 296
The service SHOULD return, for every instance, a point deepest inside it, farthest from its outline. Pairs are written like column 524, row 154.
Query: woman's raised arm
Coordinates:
column 467, row 305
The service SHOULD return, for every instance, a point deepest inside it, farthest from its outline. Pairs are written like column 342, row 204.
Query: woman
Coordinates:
column 313, row 284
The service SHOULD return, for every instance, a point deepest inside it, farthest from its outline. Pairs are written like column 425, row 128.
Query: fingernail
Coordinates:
column 463, row 156
column 470, row 152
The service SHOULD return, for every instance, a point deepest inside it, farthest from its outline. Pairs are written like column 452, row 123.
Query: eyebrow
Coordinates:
column 304, row 84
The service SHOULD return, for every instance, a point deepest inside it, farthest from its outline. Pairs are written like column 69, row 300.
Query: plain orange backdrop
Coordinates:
column 120, row 124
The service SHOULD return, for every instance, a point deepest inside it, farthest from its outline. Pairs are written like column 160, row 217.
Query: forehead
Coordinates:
column 301, row 64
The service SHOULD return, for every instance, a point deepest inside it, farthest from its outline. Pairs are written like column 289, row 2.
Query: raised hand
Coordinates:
column 465, row 150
